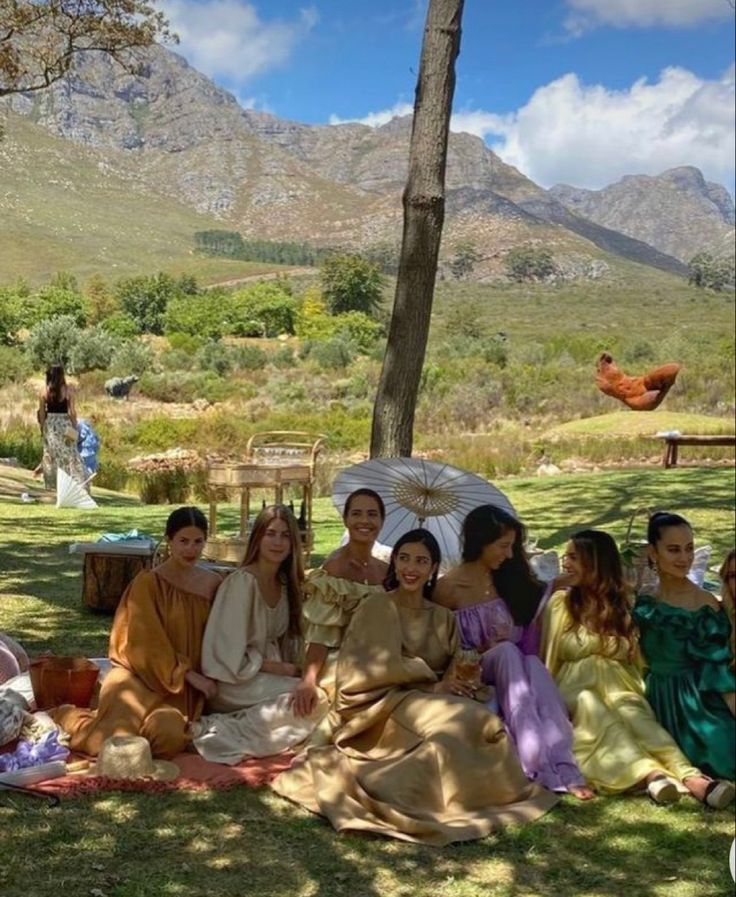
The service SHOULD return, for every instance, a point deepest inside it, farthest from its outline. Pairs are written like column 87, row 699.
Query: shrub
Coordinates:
column 93, row 351
column 335, row 353
column 177, row 360
column 132, row 357
column 14, row 365
column 216, row 357
column 184, row 387
column 351, row 283
column 161, row 487
column 121, row 325
column 185, row 342
column 265, row 309
column 23, row 442
column 249, row 358
column 100, row 301
column 10, row 318
column 494, row 351
column 284, row 358
column 54, row 302
column 201, row 315
column 530, row 263
column 52, row 341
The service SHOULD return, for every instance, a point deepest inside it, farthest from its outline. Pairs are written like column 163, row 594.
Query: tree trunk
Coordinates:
column 424, row 213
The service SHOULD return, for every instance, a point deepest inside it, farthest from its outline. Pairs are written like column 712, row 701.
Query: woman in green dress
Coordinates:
column 684, row 638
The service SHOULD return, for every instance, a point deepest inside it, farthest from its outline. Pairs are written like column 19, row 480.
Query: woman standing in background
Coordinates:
column 57, row 417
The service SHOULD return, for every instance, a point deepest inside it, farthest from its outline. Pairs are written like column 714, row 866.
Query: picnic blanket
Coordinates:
column 197, row 774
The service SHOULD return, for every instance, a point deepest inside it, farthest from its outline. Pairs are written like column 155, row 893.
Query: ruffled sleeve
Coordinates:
column 236, row 634
column 329, row 604
column 705, row 634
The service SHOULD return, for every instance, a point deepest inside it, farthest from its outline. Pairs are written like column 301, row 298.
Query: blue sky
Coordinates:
column 575, row 91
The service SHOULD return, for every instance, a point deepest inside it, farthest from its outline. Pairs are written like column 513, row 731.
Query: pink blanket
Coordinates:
column 196, row 774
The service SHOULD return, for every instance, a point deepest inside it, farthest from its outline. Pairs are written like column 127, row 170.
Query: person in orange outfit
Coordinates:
column 644, row 393
column 155, row 688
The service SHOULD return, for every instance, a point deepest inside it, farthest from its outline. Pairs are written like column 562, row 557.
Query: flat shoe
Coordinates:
column 719, row 795
column 663, row 791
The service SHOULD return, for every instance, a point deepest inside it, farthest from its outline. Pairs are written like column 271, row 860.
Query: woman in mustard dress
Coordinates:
column 685, row 634
column 590, row 647
column 334, row 591
column 414, row 757
column 155, row 688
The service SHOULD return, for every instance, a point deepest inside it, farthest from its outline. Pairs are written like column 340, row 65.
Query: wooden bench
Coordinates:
column 672, row 445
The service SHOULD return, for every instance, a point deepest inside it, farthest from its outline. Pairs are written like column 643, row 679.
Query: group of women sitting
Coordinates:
column 428, row 710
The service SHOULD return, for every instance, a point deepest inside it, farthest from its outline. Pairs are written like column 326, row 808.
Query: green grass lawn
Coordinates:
column 250, row 842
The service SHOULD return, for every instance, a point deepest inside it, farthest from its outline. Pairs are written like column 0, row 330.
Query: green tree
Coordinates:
column 100, row 301
column 463, row 261
column 264, row 309
column 39, row 39
column 52, row 341
column 708, row 270
column 201, row 315
column 530, row 263
column 145, row 298
column 52, row 302
column 351, row 283
column 10, row 319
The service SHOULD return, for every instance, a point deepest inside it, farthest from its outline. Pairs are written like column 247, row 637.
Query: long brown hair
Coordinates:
column 602, row 601
column 55, row 383
column 291, row 570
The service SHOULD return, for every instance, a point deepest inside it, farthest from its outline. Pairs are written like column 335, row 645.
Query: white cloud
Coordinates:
column 587, row 14
column 376, row 119
column 590, row 136
column 226, row 38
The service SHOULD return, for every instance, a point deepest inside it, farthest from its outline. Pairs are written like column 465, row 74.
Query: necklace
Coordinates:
column 362, row 566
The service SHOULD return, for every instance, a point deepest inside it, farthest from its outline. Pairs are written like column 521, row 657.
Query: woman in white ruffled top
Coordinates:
column 252, row 646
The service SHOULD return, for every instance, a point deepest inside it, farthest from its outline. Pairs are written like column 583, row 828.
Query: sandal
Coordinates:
column 719, row 794
column 663, row 790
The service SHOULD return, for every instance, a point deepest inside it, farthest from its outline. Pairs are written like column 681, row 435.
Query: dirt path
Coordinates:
column 272, row 275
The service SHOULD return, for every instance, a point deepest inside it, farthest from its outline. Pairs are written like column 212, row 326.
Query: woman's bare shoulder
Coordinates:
column 444, row 591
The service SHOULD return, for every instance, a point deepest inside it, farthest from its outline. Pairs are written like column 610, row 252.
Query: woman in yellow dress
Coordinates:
column 414, row 757
column 156, row 687
column 334, row 591
column 591, row 648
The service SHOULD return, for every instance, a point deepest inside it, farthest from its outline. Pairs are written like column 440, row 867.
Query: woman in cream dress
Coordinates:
column 333, row 592
column 251, row 649
column 591, row 649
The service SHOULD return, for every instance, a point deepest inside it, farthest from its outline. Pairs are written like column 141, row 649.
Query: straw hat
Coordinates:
column 129, row 757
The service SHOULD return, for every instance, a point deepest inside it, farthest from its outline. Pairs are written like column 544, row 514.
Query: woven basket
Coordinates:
column 63, row 680
column 634, row 552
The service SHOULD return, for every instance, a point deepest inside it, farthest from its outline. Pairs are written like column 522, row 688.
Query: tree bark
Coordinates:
column 424, row 213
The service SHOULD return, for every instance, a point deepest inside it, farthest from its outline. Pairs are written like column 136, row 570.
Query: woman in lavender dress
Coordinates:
column 496, row 598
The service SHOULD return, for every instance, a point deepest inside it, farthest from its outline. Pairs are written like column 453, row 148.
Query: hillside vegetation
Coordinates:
column 508, row 380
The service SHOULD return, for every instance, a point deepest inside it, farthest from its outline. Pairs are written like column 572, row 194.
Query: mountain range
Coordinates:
column 171, row 143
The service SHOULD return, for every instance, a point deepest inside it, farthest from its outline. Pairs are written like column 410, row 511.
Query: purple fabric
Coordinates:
column 531, row 635
column 531, row 707
column 28, row 753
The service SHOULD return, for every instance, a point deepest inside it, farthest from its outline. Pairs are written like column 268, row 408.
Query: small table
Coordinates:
column 244, row 477
column 673, row 443
column 109, row 567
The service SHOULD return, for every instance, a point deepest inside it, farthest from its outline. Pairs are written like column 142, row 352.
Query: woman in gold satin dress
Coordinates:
column 590, row 646
column 414, row 757
column 155, row 688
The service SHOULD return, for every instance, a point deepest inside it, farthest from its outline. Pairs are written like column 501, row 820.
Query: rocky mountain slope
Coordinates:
column 188, row 140
column 678, row 212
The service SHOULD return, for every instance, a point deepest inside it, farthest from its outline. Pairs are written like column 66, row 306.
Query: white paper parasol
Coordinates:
column 419, row 493
column 70, row 493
